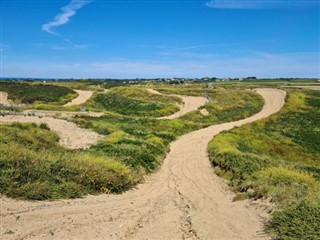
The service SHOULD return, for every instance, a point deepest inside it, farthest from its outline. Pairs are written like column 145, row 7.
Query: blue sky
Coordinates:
column 163, row 38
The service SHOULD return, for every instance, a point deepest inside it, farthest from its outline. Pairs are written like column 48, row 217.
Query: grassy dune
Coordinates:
column 278, row 158
column 39, row 168
column 142, row 142
column 134, row 102
column 36, row 93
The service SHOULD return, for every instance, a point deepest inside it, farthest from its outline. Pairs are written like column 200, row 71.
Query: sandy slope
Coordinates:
column 82, row 98
column 190, row 104
column 71, row 136
column 4, row 98
column 183, row 200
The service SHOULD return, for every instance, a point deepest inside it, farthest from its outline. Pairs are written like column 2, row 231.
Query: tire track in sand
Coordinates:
column 183, row 200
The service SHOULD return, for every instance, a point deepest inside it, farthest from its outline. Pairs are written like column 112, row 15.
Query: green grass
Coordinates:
column 134, row 102
column 39, row 168
column 279, row 158
column 22, row 92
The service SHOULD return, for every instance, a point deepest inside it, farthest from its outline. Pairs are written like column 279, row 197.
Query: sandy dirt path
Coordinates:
column 190, row 104
column 183, row 200
column 71, row 136
column 4, row 98
column 82, row 98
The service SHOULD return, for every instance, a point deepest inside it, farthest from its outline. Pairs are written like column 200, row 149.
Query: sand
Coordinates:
column 4, row 98
column 190, row 104
column 183, row 200
column 82, row 98
column 71, row 136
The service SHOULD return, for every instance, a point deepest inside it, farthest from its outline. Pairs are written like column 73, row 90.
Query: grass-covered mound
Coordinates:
column 142, row 142
column 278, row 157
column 23, row 92
column 34, row 166
column 134, row 102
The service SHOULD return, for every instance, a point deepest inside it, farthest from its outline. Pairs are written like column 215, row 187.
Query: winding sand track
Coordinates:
column 82, row 98
column 71, row 136
column 190, row 104
column 183, row 200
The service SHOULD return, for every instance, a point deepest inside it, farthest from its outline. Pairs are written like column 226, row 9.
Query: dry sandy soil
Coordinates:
column 183, row 200
column 82, row 98
column 190, row 104
column 71, row 136
column 4, row 98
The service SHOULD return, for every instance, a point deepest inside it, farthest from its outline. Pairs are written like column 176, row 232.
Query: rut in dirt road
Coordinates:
column 183, row 200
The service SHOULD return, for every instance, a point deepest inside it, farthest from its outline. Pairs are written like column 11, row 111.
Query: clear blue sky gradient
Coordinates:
column 131, row 39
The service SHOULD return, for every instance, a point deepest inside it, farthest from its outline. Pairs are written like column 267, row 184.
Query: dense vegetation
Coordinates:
column 22, row 92
column 34, row 166
column 278, row 158
column 134, row 102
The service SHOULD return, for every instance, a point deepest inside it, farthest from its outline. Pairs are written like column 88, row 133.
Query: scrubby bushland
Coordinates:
column 278, row 157
column 29, row 93
column 34, row 166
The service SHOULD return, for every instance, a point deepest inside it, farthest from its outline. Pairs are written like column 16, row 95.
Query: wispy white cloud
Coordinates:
column 66, row 13
column 261, row 4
